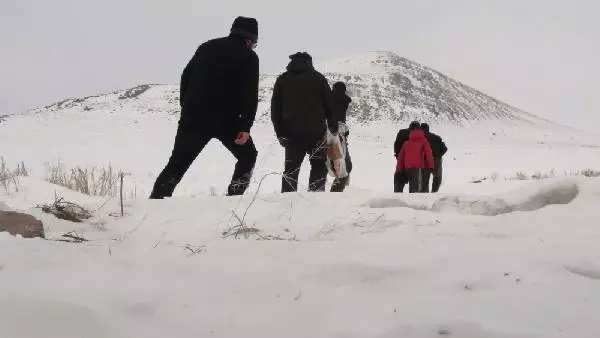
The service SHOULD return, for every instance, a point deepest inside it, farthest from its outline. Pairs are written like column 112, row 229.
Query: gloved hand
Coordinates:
column 242, row 137
column 283, row 141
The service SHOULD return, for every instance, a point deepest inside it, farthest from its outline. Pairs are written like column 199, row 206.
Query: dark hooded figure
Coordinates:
column 439, row 149
column 301, row 112
column 401, row 177
column 218, row 98
column 339, row 103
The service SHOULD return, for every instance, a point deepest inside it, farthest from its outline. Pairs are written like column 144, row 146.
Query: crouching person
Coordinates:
column 415, row 159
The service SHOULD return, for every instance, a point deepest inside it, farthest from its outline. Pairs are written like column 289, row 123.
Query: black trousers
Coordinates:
column 400, row 180
column 437, row 175
column 339, row 184
column 189, row 142
column 295, row 150
column 426, row 178
column 415, row 179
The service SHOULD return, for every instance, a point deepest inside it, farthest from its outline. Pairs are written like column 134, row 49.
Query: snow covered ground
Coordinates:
column 501, row 258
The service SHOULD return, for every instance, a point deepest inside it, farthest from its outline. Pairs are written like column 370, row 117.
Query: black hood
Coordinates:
column 300, row 62
column 339, row 87
column 339, row 90
column 340, row 95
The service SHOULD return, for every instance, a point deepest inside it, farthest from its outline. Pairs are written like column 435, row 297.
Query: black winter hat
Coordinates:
column 300, row 61
column 339, row 86
column 425, row 126
column 414, row 125
column 301, row 55
column 245, row 27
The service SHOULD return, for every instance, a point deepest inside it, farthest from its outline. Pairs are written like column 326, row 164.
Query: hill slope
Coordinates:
column 387, row 86
column 383, row 86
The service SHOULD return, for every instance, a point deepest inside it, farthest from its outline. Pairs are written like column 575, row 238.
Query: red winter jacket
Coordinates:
column 415, row 153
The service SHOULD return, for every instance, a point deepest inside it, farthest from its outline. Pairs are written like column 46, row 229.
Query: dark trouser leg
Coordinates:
column 318, row 169
column 188, row 144
column 400, row 180
column 246, row 159
column 437, row 176
column 294, row 155
column 414, row 180
column 426, row 176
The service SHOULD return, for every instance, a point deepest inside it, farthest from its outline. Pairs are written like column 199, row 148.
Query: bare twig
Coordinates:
column 121, row 192
column 75, row 237
column 195, row 249
column 241, row 230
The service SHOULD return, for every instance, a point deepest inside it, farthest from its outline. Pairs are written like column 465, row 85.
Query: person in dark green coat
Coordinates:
column 301, row 113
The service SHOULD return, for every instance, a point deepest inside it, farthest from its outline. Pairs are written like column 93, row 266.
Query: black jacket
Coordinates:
column 403, row 136
column 219, row 85
column 438, row 147
column 339, row 104
column 301, row 102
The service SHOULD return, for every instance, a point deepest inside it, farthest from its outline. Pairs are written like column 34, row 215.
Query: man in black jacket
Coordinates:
column 218, row 98
column 301, row 112
column 339, row 105
column 400, row 178
column 438, row 148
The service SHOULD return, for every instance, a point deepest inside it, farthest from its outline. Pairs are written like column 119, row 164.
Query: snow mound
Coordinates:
column 563, row 192
column 585, row 270
column 4, row 207
column 52, row 319
column 35, row 192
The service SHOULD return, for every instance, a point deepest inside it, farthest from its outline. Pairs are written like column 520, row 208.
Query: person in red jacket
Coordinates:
column 415, row 156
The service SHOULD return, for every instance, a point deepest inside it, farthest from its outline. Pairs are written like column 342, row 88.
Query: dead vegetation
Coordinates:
column 241, row 229
column 72, row 237
column 539, row 175
column 94, row 181
column 589, row 173
column 9, row 178
column 194, row 249
column 67, row 211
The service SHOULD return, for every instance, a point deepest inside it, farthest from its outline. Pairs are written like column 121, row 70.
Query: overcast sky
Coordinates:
column 538, row 55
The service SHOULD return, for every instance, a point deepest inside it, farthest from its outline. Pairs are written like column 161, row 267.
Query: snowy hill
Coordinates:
column 386, row 86
column 383, row 86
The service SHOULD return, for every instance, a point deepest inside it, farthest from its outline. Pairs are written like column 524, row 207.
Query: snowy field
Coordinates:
column 503, row 258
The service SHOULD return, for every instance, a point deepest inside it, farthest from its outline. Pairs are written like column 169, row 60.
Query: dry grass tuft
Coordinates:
column 94, row 181
column 9, row 178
